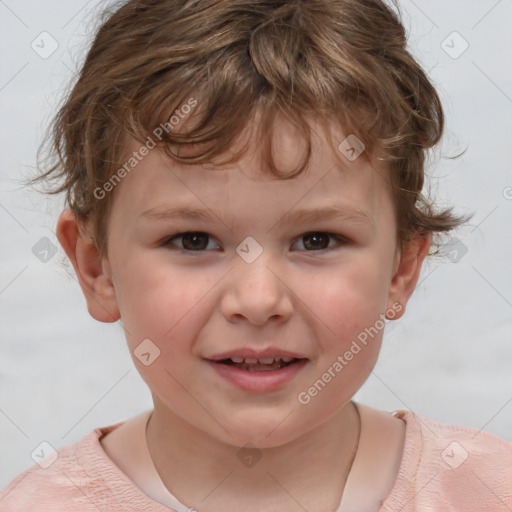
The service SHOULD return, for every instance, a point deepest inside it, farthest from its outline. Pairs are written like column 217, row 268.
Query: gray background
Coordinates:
column 62, row 373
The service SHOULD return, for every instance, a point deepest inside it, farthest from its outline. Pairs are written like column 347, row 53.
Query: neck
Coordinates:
column 209, row 474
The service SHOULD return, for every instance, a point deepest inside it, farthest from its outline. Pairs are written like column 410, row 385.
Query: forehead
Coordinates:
column 332, row 177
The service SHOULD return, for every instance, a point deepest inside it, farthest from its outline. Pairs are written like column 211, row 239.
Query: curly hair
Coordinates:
column 340, row 60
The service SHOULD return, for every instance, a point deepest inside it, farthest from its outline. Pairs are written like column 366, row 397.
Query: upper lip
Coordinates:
column 250, row 353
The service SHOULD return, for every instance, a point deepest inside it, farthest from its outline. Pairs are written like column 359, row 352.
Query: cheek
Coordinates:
column 348, row 309
column 157, row 300
column 163, row 311
column 349, row 299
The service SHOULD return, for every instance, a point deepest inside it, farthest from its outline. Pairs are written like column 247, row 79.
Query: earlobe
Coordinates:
column 93, row 274
column 407, row 272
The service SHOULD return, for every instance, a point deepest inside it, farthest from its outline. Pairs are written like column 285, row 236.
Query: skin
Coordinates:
column 297, row 295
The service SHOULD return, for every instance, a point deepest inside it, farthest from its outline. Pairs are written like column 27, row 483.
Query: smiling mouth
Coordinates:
column 259, row 365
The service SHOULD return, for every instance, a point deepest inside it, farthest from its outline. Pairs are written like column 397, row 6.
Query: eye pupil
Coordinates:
column 315, row 237
column 193, row 237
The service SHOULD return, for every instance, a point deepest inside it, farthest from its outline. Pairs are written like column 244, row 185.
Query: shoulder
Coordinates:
column 458, row 442
column 79, row 477
column 451, row 467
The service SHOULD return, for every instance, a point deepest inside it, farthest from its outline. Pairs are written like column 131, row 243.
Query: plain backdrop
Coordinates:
column 62, row 373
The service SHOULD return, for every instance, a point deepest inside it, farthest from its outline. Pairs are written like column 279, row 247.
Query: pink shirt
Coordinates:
column 443, row 468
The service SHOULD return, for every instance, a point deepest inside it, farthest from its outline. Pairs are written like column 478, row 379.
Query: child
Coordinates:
column 289, row 138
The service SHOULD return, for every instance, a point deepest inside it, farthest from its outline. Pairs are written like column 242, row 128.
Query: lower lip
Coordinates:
column 266, row 380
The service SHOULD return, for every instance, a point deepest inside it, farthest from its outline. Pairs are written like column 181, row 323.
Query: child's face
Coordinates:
column 309, row 297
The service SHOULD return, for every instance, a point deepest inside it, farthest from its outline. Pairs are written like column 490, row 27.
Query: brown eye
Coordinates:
column 190, row 241
column 195, row 241
column 316, row 241
column 319, row 240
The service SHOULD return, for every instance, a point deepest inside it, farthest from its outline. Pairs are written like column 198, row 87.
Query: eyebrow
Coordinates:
column 303, row 216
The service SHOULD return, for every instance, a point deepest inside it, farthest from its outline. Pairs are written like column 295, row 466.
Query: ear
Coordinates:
column 93, row 272
column 406, row 273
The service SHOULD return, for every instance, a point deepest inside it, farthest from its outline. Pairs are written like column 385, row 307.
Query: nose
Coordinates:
column 256, row 293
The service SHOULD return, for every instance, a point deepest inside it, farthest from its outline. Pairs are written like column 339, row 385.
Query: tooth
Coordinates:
column 286, row 359
column 237, row 359
column 266, row 360
column 250, row 361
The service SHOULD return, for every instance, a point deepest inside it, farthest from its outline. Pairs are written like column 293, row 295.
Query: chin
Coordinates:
column 262, row 429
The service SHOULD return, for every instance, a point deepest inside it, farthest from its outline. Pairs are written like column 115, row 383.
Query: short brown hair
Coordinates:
column 342, row 60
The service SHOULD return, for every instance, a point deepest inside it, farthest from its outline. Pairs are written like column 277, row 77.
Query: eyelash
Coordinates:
column 338, row 238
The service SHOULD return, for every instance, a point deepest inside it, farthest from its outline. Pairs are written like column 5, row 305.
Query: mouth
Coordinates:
column 258, row 370
column 260, row 375
column 264, row 364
